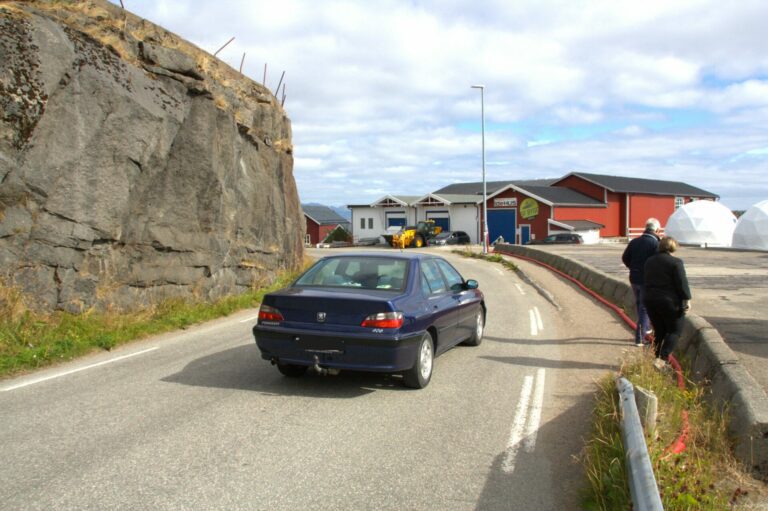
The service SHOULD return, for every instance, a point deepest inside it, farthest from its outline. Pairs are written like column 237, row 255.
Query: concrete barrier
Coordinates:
column 712, row 361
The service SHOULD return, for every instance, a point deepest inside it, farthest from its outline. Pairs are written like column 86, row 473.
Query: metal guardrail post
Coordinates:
column 642, row 482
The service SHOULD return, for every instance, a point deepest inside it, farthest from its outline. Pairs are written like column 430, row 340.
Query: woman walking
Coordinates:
column 667, row 297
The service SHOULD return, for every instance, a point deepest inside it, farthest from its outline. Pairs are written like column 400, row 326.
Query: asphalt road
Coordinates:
column 196, row 420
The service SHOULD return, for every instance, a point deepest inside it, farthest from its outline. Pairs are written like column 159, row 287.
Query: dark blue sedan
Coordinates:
column 381, row 312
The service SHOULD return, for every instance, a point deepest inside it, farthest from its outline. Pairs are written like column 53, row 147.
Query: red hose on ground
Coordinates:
column 678, row 445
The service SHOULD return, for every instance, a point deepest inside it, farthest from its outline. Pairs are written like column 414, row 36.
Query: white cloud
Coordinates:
column 378, row 92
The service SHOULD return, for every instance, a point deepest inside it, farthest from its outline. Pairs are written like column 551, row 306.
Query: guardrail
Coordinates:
column 712, row 360
column 642, row 482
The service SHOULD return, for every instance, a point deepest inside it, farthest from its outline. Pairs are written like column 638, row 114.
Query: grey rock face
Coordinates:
column 125, row 179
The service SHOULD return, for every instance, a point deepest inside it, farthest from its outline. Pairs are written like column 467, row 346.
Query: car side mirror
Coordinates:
column 472, row 284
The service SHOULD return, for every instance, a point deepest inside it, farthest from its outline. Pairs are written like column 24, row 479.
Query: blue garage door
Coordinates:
column 445, row 223
column 399, row 222
column 502, row 222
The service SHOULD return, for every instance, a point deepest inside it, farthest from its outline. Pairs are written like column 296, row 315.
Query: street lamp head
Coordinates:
column 477, row 86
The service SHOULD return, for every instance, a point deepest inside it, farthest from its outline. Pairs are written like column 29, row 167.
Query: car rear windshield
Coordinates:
column 357, row 272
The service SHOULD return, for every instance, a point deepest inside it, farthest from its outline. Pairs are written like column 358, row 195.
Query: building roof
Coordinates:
column 323, row 215
column 448, row 198
column 490, row 186
column 559, row 196
column 395, row 200
column 576, row 225
column 623, row 184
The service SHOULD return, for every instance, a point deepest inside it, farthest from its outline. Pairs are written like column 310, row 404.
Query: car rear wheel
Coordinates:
column 419, row 375
column 477, row 334
column 292, row 370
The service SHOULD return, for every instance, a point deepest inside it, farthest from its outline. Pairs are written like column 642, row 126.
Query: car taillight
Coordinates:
column 267, row 313
column 384, row 320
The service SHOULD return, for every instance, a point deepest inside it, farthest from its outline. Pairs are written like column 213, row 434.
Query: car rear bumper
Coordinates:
column 379, row 353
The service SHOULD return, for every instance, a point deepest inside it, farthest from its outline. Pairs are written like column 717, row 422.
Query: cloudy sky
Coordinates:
column 380, row 100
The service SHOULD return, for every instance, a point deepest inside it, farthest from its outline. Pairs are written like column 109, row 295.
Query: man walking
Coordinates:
column 637, row 252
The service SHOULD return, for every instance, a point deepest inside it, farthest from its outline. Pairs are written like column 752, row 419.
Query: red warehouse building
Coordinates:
column 593, row 205
column 321, row 221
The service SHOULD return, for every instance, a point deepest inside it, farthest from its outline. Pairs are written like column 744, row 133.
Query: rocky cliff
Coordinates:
column 133, row 165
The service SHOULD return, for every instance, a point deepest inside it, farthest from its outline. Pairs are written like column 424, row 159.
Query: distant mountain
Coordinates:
column 339, row 210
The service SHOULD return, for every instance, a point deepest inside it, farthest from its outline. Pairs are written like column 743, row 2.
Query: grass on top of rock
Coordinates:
column 493, row 258
column 30, row 340
column 705, row 476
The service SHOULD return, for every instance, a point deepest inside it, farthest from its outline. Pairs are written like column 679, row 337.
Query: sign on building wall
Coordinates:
column 529, row 208
column 509, row 202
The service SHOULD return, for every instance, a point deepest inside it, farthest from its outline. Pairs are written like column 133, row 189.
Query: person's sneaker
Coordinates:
column 648, row 337
column 639, row 343
column 662, row 365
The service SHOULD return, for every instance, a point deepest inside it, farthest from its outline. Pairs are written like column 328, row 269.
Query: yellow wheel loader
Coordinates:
column 416, row 236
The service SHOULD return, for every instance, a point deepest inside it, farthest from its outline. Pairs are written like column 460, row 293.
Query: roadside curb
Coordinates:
column 713, row 362
column 538, row 287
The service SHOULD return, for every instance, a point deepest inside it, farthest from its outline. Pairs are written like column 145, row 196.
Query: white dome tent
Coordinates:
column 703, row 222
column 752, row 228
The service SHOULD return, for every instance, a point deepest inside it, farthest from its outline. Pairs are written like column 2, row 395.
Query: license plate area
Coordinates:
column 319, row 343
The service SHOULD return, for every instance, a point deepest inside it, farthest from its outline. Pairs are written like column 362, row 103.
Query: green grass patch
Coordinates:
column 703, row 477
column 29, row 340
column 493, row 258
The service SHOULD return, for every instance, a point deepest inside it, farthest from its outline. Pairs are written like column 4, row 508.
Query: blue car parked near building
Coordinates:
column 382, row 312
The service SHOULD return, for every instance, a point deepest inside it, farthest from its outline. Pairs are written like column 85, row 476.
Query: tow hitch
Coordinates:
column 325, row 371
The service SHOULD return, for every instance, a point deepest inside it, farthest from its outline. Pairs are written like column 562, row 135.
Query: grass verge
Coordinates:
column 493, row 258
column 29, row 340
column 704, row 477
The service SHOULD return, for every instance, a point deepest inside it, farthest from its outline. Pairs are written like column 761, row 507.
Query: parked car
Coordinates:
column 451, row 238
column 558, row 239
column 371, row 312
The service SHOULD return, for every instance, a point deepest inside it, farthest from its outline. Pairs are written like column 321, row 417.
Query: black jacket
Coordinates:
column 637, row 253
column 665, row 279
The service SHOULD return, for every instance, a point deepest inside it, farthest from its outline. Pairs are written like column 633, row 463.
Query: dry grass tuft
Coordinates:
column 704, row 477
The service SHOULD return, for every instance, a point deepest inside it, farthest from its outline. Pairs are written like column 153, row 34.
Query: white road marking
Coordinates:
column 518, row 427
column 534, row 324
column 525, row 425
column 501, row 272
column 529, row 442
column 520, row 288
column 539, row 323
column 246, row 320
column 72, row 371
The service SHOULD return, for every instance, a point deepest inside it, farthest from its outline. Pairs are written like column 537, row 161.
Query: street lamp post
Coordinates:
column 485, row 192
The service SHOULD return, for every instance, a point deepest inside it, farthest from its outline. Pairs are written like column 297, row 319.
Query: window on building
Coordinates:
column 679, row 202
column 370, row 223
column 362, row 223
column 307, row 239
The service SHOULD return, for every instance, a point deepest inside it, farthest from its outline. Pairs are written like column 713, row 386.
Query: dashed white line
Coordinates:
column 529, row 442
column 534, row 324
column 518, row 426
column 520, row 288
column 525, row 425
column 539, row 323
column 72, row 371
column 501, row 272
column 246, row 320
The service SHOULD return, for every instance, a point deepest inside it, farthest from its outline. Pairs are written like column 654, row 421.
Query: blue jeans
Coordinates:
column 643, row 321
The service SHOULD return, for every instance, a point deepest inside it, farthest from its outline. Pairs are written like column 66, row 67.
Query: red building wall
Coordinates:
column 313, row 230
column 643, row 207
column 317, row 233
column 585, row 187
column 324, row 231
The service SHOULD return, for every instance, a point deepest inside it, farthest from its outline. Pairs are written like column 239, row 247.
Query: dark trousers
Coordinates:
column 643, row 323
column 667, row 320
